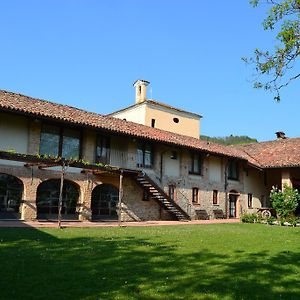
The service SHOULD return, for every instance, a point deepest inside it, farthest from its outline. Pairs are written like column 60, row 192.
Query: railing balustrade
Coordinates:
column 115, row 157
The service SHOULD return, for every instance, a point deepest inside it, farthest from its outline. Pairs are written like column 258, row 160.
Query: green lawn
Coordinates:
column 222, row 261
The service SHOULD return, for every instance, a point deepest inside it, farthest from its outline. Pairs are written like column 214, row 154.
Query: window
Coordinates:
column 50, row 138
column 70, row 143
column 103, row 149
column 172, row 191
column 250, row 202
column 11, row 190
column 152, row 122
column 58, row 141
column 104, row 205
column 195, row 166
column 144, row 156
column 48, row 199
column 215, row 197
column 195, row 195
column 233, row 170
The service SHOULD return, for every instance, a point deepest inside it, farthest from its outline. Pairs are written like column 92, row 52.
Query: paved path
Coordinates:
column 41, row 224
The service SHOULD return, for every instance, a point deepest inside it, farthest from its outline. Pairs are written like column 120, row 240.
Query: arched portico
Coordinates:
column 105, row 198
column 11, row 191
column 48, row 198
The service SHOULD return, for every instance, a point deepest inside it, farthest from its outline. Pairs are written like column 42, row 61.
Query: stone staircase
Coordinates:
column 158, row 194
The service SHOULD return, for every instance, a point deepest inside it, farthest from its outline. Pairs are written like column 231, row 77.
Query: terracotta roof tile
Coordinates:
column 274, row 154
column 45, row 109
column 156, row 103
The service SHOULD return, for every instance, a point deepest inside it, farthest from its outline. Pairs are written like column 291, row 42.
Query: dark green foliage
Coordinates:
column 293, row 221
column 284, row 202
column 249, row 218
column 278, row 65
column 221, row 261
column 271, row 220
column 229, row 140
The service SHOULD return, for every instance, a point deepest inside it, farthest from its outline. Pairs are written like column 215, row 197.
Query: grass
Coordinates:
column 221, row 261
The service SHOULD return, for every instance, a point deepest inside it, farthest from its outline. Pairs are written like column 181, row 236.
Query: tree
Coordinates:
column 278, row 65
column 229, row 140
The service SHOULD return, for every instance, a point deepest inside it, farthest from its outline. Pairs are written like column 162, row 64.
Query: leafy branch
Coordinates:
column 278, row 66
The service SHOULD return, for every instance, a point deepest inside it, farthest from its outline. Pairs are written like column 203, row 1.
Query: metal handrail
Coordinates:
column 188, row 203
column 164, row 194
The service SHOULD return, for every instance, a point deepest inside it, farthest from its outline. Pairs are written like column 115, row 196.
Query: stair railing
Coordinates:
column 184, row 203
column 156, row 185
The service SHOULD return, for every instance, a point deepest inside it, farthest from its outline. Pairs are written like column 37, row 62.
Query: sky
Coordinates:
column 88, row 53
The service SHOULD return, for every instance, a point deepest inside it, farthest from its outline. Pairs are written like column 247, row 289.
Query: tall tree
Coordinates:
column 278, row 65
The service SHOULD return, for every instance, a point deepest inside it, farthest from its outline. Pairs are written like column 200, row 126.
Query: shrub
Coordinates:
column 271, row 220
column 249, row 218
column 293, row 221
column 284, row 202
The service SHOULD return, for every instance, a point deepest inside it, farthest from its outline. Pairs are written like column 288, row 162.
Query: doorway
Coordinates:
column 233, row 204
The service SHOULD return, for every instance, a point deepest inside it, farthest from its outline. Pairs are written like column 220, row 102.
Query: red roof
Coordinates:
column 274, row 154
column 44, row 109
column 156, row 103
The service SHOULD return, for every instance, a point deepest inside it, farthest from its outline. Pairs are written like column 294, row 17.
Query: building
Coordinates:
column 159, row 115
column 111, row 167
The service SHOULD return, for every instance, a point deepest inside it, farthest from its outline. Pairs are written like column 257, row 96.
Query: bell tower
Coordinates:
column 140, row 90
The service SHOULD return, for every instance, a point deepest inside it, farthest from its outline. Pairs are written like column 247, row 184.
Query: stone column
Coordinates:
column 286, row 178
column 85, row 212
column 28, row 208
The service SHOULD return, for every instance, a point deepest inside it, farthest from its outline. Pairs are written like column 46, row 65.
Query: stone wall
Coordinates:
column 133, row 206
column 167, row 170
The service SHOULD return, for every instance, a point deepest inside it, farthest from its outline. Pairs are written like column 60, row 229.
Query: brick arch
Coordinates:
column 47, row 198
column 104, row 200
column 11, row 194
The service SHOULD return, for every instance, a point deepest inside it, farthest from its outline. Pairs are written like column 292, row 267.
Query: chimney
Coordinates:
column 280, row 135
column 140, row 90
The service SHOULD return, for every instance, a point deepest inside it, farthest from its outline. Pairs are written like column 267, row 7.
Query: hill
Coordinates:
column 229, row 140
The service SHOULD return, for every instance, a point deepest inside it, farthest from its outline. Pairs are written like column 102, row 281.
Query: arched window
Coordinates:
column 11, row 190
column 48, row 197
column 104, row 202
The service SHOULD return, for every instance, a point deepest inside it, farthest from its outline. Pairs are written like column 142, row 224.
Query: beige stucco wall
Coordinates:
column 13, row 135
column 188, row 124
column 254, row 184
column 135, row 114
column 285, row 178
